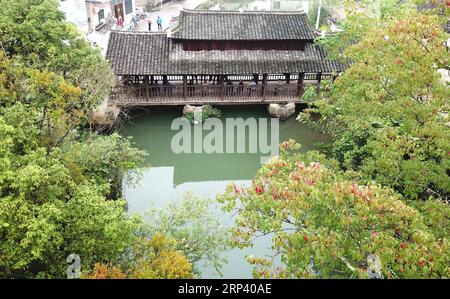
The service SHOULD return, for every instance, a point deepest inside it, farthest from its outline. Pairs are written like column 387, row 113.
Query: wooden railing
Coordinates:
column 203, row 93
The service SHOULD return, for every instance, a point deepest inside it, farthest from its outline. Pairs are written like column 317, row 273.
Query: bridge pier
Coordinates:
column 282, row 111
column 105, row 115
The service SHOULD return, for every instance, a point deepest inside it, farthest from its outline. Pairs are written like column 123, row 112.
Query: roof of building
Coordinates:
column 144, row 53
column 138, row 53
column 246, row 25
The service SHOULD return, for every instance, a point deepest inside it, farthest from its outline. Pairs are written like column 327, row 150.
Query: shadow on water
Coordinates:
column 171, row 175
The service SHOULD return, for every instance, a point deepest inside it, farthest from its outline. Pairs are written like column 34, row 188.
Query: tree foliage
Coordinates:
column 49, row 209
column 393, row 100
column 56, row 176
column 35, row 32
column 196, row 227
column 325, row 226
column 153, row 258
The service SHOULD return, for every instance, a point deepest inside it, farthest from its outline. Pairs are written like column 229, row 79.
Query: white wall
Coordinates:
column 75, row 11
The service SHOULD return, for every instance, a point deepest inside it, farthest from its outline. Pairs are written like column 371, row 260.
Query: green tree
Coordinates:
column 46, row 213
column 153, row 258
column 394, row 100
column 35, row 32
column 325, row 226
column 56, row 177
column 196, row 227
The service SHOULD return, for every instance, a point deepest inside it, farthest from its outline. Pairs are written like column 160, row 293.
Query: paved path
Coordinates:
column 168, row 10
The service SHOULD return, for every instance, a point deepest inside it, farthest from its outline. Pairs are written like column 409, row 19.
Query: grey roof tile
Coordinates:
column 145, row 53
column 247, row 25
column 153, row 54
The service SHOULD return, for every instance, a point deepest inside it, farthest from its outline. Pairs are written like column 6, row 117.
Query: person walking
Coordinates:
column 159, row 22
column 149, row 24
column 135, row 21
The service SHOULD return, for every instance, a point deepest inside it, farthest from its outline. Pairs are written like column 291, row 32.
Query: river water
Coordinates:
column 171, row 175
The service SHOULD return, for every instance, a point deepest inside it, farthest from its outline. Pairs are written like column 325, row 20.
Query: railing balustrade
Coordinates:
column 173, row 92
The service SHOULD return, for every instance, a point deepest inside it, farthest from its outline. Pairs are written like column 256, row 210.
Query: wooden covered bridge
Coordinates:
column 219, row 57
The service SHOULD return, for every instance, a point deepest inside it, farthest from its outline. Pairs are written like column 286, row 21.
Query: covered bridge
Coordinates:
column 219, row 57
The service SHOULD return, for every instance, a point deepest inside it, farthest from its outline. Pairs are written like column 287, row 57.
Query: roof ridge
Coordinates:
column 272, row 12
column 138, row 32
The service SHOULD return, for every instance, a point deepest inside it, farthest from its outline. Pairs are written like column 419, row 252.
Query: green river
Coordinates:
column 171, row 175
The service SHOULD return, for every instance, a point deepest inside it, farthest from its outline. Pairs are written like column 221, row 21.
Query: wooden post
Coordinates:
column 220, row 81
column 335, row 76
column 264, row 86
column 184, row 86
column 300, row 87
column 319, row 79
column 146, row 85
column 288, row 77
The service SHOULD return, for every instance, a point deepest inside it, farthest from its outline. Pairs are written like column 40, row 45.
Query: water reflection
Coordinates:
column 206, row 175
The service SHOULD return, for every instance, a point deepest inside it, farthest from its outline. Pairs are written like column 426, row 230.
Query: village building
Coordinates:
column 219, row 57
column 93, row 15
column 100, row 12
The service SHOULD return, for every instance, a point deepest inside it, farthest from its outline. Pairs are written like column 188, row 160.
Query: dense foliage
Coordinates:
column 388, row 111
column 324, row 226
column 36, row 33
column 149, row 258
column 53, row 188
column 194, row 223
column 56, row 176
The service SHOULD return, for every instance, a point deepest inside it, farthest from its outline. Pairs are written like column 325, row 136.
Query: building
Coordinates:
column 90, row 15
column 219, row 57
column 75, row 12
column 100, row 11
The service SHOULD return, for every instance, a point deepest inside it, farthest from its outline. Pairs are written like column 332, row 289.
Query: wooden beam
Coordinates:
column 288, row 77
column 335, row 76
column 146, row 86
column 319, row 80
column 220, row 81
column 300, row 87
column 263, row 87
column 184, row 86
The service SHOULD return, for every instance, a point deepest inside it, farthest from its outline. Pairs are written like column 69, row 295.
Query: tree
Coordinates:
column 399, row 107
column 158, row 257
column 325, row 226
column 56, row 177
column 152, row 258
column 196, row 227
column 46, row 213
column 35, row 32
column 105, row 271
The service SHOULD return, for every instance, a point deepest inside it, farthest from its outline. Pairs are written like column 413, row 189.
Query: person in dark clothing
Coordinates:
column 240, row 88
column 190, row 88
column 229, row 88
column 149, row 25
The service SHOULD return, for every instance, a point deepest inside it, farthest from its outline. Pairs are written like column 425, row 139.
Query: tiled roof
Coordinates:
column 251, row 61
column 138, row 53
column 247, row 25
column 153, row 54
